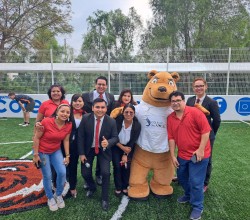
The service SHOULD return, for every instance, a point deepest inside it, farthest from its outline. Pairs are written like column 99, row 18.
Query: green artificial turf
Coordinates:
column 227, row 198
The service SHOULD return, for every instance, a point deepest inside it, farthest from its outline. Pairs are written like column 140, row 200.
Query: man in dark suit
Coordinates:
column 199, row 88
column 101, row 85
column 97, row 133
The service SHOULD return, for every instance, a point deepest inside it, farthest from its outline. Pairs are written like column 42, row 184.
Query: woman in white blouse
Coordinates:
column 129, row 129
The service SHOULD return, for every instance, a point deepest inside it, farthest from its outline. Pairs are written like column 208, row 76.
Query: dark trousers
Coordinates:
column 191, row 177
column 72, row 167
column 97, row 168
column 121, row 173
column 209, row 166
column 105, row 172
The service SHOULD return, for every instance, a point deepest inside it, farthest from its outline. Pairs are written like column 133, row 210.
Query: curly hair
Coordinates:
column 61, row 89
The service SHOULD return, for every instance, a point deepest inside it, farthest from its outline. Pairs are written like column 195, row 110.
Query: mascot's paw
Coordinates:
column 200, row 107
column 161, row 196
column 138, row 192
column 160, row 190
column 116, row 112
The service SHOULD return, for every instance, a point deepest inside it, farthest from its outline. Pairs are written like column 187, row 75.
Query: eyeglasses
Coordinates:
column 129, row 113
column 199, row 86
column 100, row 84
column 98, row 107
column 176, row 101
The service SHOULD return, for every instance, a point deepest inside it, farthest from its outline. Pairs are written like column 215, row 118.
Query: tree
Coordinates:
column 20, row 19
column 42, row 42
column 111, row 31
column 184, row 24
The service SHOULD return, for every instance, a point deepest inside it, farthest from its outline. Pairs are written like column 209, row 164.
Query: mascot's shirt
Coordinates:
column 153, row 136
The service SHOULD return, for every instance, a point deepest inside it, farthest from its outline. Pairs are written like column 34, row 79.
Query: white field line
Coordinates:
column 19, row 142
column 245, row 122
column 231, row 122
column 26, row 155
column 122, row 207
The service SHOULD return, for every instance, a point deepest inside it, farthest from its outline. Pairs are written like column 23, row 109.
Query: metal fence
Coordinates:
column 223, row 82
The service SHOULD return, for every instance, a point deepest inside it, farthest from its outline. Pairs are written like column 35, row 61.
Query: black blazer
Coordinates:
column 74, row 131
column 86, row 131
column 214, row 117
column 135, row 132
column 88, row 100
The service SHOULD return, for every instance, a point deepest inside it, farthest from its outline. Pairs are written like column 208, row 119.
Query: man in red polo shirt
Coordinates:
column 188, row 130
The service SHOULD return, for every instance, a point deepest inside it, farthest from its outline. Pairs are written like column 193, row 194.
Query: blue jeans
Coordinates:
column 191, row 177
column 56, row 160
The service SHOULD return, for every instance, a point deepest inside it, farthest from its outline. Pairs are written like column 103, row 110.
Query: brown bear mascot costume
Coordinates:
column 152, row 150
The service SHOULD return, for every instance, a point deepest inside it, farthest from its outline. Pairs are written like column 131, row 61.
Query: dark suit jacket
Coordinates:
column 88, row 100
column 86, row 135
column 214, row 117
column 135, row 132
column 73, row 132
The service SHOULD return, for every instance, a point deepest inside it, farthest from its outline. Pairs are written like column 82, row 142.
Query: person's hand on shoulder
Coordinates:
column 200, row 107
column 116, row 112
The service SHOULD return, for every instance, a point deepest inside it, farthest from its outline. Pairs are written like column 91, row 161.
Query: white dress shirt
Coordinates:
column 96, row 95
column 124, row 135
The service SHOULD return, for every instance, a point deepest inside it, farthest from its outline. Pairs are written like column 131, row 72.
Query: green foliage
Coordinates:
column 111, row 32
column 20, row 20
column 197, row 24
column 42, row 42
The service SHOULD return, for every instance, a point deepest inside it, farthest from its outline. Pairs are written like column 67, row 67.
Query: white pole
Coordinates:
column 167, row 58
column 109, row 69
column 52, row 71
column 228, row 69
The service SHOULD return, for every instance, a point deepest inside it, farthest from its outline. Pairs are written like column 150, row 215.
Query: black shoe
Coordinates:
column 125, row 193
column 105, row 205
column 175, row 179
column 118, row 194
column 98, row 180
column 85, row 186
column 90, row 193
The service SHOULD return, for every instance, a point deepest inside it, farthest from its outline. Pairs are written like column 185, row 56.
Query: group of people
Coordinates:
column 83, row 129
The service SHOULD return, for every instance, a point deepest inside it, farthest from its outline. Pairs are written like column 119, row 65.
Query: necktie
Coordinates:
column 197, row 100
column 97, row 128
column 101, row 96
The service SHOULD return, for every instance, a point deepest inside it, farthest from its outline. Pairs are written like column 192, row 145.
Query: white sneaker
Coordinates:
column 65, row 189
column 60, row 202
column 21, row 124
column 52, row 204
column 26, row 124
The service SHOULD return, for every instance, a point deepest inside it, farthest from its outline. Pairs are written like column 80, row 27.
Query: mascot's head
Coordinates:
column 159, row 87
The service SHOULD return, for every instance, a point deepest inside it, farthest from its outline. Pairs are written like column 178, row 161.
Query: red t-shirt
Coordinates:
column 52, row 136
column 48, row 107
column 187, row 132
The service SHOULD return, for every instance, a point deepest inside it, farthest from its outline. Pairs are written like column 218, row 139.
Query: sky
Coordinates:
column 82, row 9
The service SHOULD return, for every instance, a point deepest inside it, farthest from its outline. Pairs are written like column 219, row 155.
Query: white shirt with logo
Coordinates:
column 153, row 136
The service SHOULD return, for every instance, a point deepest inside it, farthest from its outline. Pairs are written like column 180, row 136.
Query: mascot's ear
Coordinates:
column 175, row 76
column 151, row 74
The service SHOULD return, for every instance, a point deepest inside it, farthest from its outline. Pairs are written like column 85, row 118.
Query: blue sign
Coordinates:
column 14, row 106
column 221, row 103
column 243, row 106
